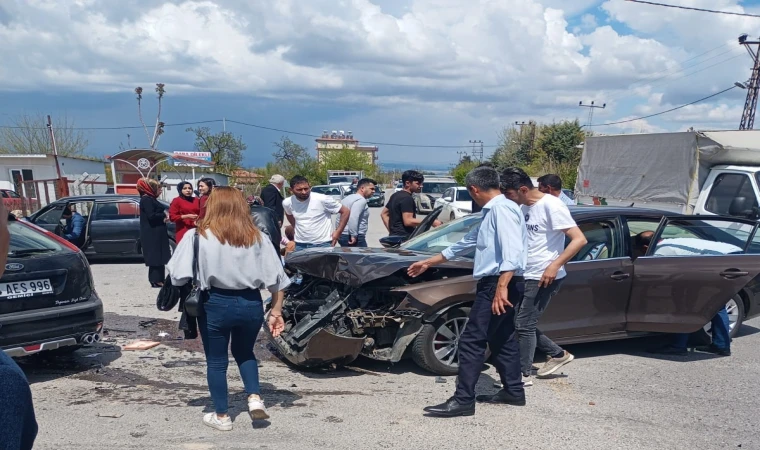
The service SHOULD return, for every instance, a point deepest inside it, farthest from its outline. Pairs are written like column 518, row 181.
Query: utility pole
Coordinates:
column 750, row 105
column 55, row 156
column 591, row 107
column 460, row 153
column 532, row 136
column 477, row 152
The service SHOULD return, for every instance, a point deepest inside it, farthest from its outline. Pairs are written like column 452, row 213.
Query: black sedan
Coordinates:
column 112, row 224
column 378, row 198
column 47, row 295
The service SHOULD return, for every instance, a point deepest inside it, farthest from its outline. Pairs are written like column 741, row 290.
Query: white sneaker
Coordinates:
column 213, row 421
column 527, row 381
column 256, row 408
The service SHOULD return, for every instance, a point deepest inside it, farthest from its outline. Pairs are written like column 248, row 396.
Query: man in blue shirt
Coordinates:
column 74, row 224
column 500, row 244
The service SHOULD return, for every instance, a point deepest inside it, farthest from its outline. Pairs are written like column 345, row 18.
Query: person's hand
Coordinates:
column 335, row 238
column 550, row 274
column 352, row 240
column 275, row 323
column 190, row 216
column 418, row 268
column 290, row 246
column 500, row 301
column 437, row 223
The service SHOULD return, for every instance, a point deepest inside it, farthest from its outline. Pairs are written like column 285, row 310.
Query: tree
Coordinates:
column 558, row 141
column 158, row 130
column 348, row 159
column 226, row 149
column 462, row 169
column 292, row 159
column 30, row 135
column 515, row 148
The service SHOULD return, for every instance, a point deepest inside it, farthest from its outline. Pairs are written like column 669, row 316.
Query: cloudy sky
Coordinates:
column 419, row 72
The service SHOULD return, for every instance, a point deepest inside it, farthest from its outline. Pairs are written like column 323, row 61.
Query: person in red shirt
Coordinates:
column 184, row 210
column 205, row 186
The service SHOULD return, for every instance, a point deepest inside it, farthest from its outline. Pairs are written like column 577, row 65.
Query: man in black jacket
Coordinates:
column 266, row 222
column 272, row 197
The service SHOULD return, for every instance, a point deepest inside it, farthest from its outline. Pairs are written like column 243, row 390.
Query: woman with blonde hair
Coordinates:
column 154, row 237
column 234, row 262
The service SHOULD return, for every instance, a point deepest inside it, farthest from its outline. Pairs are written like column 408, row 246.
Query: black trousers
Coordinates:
column 156, row 274
column 497, row 332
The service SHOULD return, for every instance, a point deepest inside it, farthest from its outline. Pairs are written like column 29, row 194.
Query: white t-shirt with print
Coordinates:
column 313, row 217
column 546, row 221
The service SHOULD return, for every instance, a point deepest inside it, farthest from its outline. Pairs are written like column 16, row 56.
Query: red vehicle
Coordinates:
column 12, row 200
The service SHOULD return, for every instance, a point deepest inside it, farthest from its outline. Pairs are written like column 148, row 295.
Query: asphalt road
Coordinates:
column 613, row 396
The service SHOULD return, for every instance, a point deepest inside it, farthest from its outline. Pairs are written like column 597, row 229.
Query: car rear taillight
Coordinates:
column 53, row 236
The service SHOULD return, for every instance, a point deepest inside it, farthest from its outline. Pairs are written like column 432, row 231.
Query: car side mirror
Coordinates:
column 392, row 241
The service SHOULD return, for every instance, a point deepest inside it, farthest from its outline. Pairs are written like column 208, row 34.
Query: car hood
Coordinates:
column 356, row 266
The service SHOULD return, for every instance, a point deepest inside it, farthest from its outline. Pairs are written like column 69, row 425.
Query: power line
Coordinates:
column 114, row 128
column 695, row 9
column 665, row 112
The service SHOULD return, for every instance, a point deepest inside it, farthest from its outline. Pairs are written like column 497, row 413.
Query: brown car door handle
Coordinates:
column 619, row 276
column 733, row 273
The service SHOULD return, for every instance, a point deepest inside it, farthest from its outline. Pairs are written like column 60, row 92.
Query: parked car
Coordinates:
column 12, row 200
column 432, row 189
column 112, row 224
column 335, row 191
column 346, row 302
column 378, row 198
column 456, row 202
column 47, row 294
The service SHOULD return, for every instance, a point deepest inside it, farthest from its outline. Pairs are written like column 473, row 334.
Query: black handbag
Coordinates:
column 194, row 301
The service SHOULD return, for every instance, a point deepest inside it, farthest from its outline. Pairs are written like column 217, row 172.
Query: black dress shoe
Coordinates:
column 713, row 349
column 501, row 398
column 451, row 408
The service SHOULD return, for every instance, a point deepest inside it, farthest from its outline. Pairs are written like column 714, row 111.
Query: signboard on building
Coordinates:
column 206, row 156
column 197, row 156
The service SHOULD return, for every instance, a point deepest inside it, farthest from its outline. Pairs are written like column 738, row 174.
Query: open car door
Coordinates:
column 425, row 225
column 691, row 268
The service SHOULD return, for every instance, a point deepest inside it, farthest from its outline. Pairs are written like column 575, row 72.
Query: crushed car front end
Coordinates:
column 347, row 302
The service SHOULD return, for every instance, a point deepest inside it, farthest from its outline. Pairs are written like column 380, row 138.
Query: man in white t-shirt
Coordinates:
column 311, row 213
column 548, row 222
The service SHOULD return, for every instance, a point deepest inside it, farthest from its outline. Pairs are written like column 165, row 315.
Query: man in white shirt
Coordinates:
column 548, row 222
column 311, row 213
column 552, row 184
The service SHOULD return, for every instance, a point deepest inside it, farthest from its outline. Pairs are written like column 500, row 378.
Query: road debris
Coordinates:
column 110, row 416
column 140, row 345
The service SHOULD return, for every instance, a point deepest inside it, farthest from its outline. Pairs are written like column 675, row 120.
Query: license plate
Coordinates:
column 25, row 288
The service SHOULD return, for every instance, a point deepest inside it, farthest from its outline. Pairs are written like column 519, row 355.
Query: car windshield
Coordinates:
column 25, row 239
column 439, row 239
column 436, row 187
column 463, row 195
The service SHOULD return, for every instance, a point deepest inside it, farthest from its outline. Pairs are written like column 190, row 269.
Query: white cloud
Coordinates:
column 490, row 60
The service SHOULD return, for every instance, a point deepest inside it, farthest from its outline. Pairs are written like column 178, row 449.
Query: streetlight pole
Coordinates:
column 591, row 107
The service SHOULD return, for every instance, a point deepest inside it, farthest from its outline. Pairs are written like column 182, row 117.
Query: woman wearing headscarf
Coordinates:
column 205, row 186
column 184, row 210
column 235, row 261
column 154, row 237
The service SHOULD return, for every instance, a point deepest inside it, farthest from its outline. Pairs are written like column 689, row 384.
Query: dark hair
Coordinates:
column 181, row 185
column 551, row 180
column 67, row 211
column 298, row 179
column 643, row 238
column 484, row 178
column 412, row 176
column 513, row 178
column 364, row 181
column 208, row 182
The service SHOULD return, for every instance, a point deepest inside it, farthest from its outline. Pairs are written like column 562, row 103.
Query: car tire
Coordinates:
column 736, row 312
column 423, row 346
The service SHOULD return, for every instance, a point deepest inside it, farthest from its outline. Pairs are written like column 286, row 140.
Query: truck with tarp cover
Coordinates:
column 691, row 172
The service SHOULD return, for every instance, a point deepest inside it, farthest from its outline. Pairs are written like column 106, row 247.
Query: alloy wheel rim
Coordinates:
column 446, row 341
column 733, row 316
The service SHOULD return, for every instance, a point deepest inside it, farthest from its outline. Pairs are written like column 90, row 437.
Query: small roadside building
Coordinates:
column 36, row 179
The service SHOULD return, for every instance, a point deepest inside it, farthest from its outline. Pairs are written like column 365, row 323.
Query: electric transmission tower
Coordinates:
column 591, row 108
column 750, row 105
column 477, row 152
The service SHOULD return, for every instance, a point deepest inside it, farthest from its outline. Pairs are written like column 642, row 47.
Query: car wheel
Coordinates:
column 436, row 348
column 735, row 308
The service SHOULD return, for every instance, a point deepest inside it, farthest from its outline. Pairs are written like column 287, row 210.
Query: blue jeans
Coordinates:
column 237, row 315
column 720, row 332
column 529, row 309
column 304, row 246
column 361, row 241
